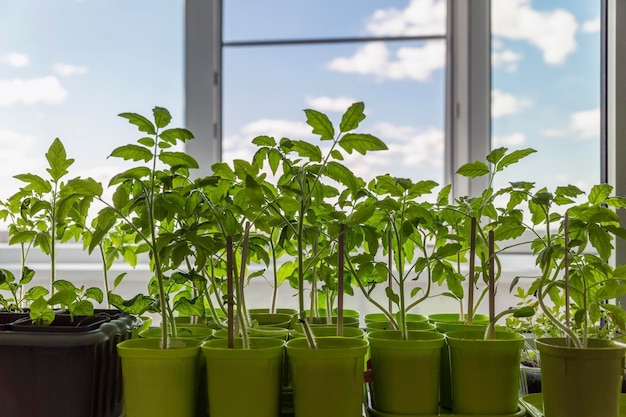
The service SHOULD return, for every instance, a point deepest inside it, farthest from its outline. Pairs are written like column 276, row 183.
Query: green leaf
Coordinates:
column 132, row 152
column 449, row 249
column 307, row 150
column 526, row 311
column 162, row 117
column 63, row 285
column 172, row 136
column 95, row 294
column 40, row 313
column 601, row 241
column 36, row 292
column 135, row 173
column 343, row 175
column 361, row 142
column 473, row 169
column 84, row 187
column 57, row 158
column 27, row 276
column 140, row 121
column 253, row 191
column 361, row 214
column 392, row 295
column 336, row 155
column 513, row 158
column 599, row 193
column 352, row 117
column 264, row 141
column 118, row 279
column 63, row 298
column 496, row 155
column 320, row 123
column 35, row 183
column 415, row 290
column 285, row 271
column 178, row 159
column 82, row 308
column 420, row 188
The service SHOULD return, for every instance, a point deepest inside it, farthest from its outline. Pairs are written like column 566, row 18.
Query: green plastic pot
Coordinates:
column 327, row 381
column 291, row 311
column 346, row 313
column 485, row 373
column 191, row 331
column 322, row 321
column 406, row 372
column 410, row 317
column 159, row 382
column 244, row 382
column 266, row 331
column 581, row 382
column 411, row 325
column 146, row 322
column 453, row 317
column 272, row 319
column 322, row 331
column 445, row 389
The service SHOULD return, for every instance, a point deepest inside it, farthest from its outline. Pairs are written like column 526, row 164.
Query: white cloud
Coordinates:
column 553, row 32
column 504, row 58
column 592, row 26
column 276, row 128
column 17, row 157
column 67, row 69
column 503, row 104
column 330, row 104
column 514, row 139
column 30, row 91
column 420, row 17
column 408, row 63
column 581, row 125
column 16, row 59
column 411, row 146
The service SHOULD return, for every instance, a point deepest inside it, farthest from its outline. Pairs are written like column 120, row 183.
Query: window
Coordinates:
column 418, row 76
column 67, row 68
column 546, row 89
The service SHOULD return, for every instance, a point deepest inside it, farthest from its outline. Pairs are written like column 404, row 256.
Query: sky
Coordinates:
column 68, row 67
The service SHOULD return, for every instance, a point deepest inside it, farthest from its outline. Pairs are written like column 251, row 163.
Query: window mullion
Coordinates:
column 468, row 112
column 203, row 81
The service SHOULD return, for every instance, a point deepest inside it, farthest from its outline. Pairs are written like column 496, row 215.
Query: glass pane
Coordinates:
column 284, row 19
column 402, row 85
column 68, row 67
column 546, row 89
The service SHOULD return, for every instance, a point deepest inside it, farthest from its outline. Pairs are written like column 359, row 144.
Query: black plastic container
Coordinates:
column 64, row 370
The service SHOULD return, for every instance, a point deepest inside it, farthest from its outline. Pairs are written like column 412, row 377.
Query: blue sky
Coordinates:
column 68, row 67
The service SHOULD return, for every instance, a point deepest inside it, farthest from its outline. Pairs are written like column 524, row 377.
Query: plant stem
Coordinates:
column 274, row 272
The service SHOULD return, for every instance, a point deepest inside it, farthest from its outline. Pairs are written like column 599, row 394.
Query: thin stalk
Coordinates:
column 53, row 237
column 230, row 296
column 300, row 245
column 470, row 290
column 309, row 334
column 566, row 274
column 329, row 307
column 314, row 300
column 105, row 273
column 274, row 272
column 340, row 266
column 390, row 263
column 241, row 304
column 492, row 286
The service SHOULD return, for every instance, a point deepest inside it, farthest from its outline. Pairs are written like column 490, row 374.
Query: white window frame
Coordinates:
column 468, row 85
